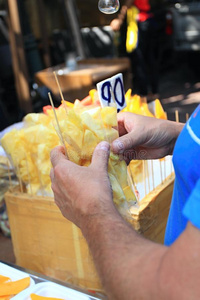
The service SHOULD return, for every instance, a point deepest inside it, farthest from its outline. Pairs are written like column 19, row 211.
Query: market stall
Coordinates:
column 44, row 241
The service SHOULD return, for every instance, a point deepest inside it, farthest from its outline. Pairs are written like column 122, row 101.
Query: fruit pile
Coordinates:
column 81, row 128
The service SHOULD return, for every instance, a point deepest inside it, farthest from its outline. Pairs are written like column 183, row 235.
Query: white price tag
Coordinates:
column 111, row 90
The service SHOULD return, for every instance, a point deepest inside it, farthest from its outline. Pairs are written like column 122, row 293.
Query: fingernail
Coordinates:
column 103, row 146
column 117, row 146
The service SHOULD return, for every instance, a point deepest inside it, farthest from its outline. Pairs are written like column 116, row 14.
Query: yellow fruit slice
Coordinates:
column 111, row 134
column 90, row 142
column 4, row 278
column 130, row 196
column 118, row 194
column 109, row 116
column 37, row 297
column 94, row 125
column 73, row 155
column 36, row 118
column 73, row 135
column 159, row 111
column 14, row 287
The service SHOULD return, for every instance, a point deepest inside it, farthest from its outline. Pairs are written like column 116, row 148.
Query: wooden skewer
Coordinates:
column 177, row 116
column 28, row 172
column 147, row 172
column 59, row 87
column 165, row 173
column 161, row 176
column 9, row 176
column 60, row 91
column 152, row 173
column 144, row 177
column 60, row 133
column 133, row 183
column 19, row 177
column 187, row 117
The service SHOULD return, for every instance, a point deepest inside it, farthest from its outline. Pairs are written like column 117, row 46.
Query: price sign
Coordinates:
column 111, row 91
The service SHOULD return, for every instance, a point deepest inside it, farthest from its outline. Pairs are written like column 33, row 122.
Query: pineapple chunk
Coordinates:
column 111, row 134
column 74, row 118
column 118, row 194
column 73, row 155
column 109, row 116
column 94, row 125
column 130, row 196
column 73, row 135
column 90, row 141
column 36, row 118
column 159, row 111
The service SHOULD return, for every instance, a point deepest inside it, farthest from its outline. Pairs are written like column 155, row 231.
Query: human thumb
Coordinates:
column 127, row 142
column 100, row 156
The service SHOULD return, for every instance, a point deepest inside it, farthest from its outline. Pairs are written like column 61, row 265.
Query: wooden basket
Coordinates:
column 45, row 242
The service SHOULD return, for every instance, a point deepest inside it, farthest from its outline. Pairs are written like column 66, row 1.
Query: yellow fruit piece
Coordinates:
column 68, row 104
column 111, row 134
column 4, row 278
column 85, row 163
column 159, row 111
column 93, row 94
column 36, row 118
column 73, row 155
column 14, row 287
column 118, row 194
column 74, row 118
column 120, row 168
column 5, row 297
column 130, row 196
column 94, row 125
column 73, row 135
column 37, row 297
column 109, row 116
column 90, row 141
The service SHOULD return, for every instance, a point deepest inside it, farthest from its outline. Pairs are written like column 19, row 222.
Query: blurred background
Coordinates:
column 39, row 36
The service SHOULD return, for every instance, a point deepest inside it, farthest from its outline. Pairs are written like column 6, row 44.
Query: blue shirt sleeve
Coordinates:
column 191, row 209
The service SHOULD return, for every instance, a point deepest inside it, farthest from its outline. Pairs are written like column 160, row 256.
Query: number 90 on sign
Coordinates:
column 112, row 88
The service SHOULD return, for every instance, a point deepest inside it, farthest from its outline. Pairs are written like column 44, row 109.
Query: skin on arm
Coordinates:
column 130, row 267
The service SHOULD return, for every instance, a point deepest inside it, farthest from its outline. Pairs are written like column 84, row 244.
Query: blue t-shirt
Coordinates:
column 185, row 204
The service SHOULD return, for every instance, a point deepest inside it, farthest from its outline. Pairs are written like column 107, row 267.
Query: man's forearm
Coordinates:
column 123, row 256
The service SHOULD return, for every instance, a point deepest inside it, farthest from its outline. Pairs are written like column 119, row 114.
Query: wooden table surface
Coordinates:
column 77, row 83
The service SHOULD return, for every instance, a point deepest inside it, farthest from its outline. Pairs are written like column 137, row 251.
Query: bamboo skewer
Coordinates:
column 29, row 178
column 9, row 176
column 187, row 117
column 60, row 133
column 60, row 91
column 19, row 177
column 130, row 176
column 144, row 177
column 147, row 173
column 161, row 175
column 177, row 115
column 152, row 173
column 59, row 87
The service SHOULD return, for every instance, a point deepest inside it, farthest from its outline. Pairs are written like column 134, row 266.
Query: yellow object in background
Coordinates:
column 139, row 105
column 132, row 29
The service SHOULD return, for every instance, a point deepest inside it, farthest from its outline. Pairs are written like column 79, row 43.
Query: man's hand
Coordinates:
column 144, row 137
column 82, row 192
